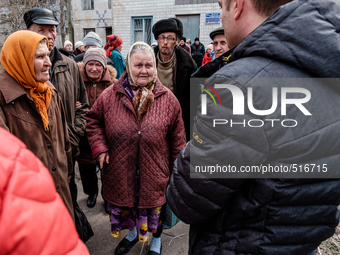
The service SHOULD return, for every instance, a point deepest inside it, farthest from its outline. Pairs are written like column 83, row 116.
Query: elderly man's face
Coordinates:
column 182, row 42
column 220, row 45
column 167, row 42
column 47, row 30
column 42, row 63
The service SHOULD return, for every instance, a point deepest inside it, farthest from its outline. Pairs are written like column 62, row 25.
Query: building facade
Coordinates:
column 133, row 20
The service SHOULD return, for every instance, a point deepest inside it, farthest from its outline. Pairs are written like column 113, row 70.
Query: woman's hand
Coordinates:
column 103, row 158
column 78, row 105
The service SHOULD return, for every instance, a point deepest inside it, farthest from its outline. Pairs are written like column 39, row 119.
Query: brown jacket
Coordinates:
column 93, row 92
column 19, row 115
column 151, row 145
column 66, row 78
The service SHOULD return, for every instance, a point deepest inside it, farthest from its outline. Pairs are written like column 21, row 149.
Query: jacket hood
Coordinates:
column 304, row 34
column 110, row 74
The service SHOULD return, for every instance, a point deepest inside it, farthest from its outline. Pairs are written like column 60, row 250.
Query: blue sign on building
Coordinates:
column 212, row 18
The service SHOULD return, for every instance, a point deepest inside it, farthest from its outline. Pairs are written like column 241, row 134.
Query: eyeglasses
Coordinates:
column 169, row 38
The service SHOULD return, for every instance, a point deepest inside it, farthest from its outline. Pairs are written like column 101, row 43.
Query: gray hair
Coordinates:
column 43, row 41
column 141, row 47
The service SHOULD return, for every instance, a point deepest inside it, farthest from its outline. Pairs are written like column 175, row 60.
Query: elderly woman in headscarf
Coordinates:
column 31, row 109
column 113, row 50
column 97, row 76
column 136, row 131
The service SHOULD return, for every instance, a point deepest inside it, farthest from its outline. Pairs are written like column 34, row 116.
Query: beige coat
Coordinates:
column 19, row 115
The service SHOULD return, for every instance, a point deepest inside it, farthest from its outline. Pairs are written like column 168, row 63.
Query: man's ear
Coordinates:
column 238, row 8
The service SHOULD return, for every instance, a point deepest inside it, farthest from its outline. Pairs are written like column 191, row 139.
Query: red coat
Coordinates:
column 93, row 92
column 33, row 218
column 207, row 58
column 150, row 145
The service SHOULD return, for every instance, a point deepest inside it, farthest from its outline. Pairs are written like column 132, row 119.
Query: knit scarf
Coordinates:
column 144, row 96
column 17, row 58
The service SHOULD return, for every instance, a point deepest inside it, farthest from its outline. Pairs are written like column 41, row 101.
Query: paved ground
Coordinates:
column 103, row 244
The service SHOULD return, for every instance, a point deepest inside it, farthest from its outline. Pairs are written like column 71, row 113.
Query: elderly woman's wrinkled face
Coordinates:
column 42, row 63
column 69, row 47
column 94, row 70
column 142, row 68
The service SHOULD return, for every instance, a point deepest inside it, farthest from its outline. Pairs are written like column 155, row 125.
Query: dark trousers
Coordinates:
column 89, row 178
column 198, row 61
column 159, row 231
column 73, row 185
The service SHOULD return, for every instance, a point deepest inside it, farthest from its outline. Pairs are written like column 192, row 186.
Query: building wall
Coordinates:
column 99, row 18
column 123, row 12
column 119, row 17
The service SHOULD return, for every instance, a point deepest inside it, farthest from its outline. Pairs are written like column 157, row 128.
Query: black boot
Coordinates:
column 124, row 246
column 91, row 200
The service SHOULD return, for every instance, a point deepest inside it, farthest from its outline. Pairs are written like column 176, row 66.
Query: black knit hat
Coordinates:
column 40, row 16
column 167, row 25
column 216, row 31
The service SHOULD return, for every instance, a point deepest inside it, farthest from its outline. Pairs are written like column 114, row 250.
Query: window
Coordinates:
column 87, row 30
column 109, row 2
column 108, row 31
column 141, row 29
column 88, row 4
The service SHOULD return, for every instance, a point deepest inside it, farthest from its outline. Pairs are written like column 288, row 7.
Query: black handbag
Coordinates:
column 83, row 226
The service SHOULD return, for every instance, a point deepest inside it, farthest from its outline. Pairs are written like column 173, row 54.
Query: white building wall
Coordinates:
column 123, row 12
column 99, row 18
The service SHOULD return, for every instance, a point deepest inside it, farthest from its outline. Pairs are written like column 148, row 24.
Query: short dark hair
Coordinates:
column 264, row 7
column 183, row 38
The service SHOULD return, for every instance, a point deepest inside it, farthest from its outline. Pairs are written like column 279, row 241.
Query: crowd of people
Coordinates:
column 132, row 119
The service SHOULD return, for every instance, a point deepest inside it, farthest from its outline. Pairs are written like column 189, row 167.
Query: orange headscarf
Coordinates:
column 17, row 57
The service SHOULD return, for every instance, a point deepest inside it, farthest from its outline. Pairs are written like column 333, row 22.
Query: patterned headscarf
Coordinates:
column 17, row 58
column 113, row 42
column 144, row 97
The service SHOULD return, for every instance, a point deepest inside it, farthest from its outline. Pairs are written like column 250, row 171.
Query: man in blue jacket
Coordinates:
column 270, row 147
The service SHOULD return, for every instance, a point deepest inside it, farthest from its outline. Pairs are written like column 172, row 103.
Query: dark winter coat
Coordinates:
column 93, row 90
column 182, row 72
column 67, row 53
column 66, row 78
column 151, row 145
column 76, row 52
column 268, row 216
column 197, row 53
